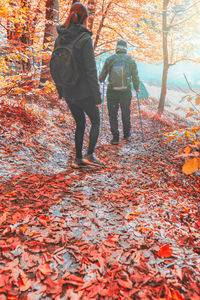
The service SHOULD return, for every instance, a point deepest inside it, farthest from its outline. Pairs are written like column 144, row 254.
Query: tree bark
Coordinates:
column 26, row 37
column 165, row 58
column 92, row 10
column 11, row 29
column 51, row 21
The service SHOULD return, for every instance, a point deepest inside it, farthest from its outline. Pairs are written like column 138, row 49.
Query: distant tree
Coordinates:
column 177, row 30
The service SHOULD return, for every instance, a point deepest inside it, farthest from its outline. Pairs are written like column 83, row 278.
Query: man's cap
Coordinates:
column 121, row 45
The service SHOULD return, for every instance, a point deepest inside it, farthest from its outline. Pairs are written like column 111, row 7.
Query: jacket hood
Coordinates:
column 72, row 32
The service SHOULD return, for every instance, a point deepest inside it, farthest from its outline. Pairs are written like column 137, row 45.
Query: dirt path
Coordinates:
column 128, row 231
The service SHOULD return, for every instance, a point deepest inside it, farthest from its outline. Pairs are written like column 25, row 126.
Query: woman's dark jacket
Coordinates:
column 87, row 85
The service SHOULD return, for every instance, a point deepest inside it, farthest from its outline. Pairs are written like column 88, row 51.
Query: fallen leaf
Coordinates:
column 125, row 284
column 45, row 269
column 177, row 296
column 191, row 166
column 165, row 251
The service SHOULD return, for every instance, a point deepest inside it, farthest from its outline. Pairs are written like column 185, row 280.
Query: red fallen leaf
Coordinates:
column 24, row 282
column 6, row 247
column 86, row 285
column 3, row 217
column 49, row 240
column 177, row 296
column 165, row 251
column 45, row 218
column 75, row 278
column 125, row 284
column 45, row 269
column 54, row 286
column 7, row 230
column 105, row 292
column 3, row 280
column 47, row 256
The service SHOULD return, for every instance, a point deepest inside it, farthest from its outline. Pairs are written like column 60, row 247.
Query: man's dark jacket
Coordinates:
column 87, row 85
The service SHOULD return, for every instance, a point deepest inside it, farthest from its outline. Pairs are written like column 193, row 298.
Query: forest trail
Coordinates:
column 127, row 231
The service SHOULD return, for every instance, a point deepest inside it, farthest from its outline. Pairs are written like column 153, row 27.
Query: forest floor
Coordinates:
column 126, row 231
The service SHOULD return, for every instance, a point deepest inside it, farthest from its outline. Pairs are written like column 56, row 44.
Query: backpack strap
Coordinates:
column 112, row 62
column 78, row 38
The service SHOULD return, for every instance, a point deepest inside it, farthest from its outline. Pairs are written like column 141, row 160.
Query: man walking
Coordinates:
column 122, row 70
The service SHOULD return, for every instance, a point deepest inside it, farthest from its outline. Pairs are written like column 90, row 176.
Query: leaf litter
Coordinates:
column 128, row 231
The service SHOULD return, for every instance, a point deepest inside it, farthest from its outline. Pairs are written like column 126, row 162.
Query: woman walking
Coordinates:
column 85, row 97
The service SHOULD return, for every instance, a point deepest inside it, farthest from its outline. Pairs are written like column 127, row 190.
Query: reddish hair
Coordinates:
column 77, row 15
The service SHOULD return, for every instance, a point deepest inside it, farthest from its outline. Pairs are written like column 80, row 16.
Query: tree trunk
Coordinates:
column 165, row 58
column 19, row 34
column 26, row 37
column 92, row 10
column 14, row 29
column 51, row 17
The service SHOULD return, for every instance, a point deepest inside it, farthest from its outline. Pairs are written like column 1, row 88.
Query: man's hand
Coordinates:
column 98, row 105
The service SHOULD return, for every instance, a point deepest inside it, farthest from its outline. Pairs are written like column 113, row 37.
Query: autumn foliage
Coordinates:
column 129, row 230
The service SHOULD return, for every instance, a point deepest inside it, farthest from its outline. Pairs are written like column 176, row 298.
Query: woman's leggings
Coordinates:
column 78, row 110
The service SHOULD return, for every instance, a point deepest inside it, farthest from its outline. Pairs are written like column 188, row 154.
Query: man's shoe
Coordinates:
column 115, row 142
column 127, row 138
column 91, row 159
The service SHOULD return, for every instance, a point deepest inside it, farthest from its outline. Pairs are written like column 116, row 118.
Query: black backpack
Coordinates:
column 119, row 75
column 64, row 68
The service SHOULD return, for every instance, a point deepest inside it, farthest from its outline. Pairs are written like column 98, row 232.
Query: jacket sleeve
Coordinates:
column 91, row 70
column 135, row 77
column 104, row 72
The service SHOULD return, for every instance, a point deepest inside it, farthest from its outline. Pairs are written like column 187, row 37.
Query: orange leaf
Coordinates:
column 191, row 166
column 23, row 228
column 44, row 269
column 177, row 296
column 165, row 251
column 197, row 100
column 24, row 282
column 187, row 149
